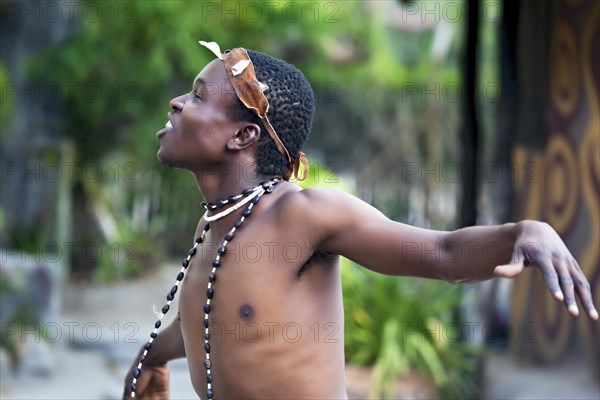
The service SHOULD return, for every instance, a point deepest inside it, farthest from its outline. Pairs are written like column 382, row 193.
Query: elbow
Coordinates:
column 447, row 273
column 447, row 266
column 450, row 276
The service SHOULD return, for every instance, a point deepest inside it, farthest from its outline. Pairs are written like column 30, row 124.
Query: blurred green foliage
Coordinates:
column 401, row 323
column 125, row 66
column 23, row 318
column 122, row 68
column 124, row 63
column 132, row 61
column 7, row 102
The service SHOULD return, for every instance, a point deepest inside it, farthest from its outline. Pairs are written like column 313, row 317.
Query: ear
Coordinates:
column 245, row 137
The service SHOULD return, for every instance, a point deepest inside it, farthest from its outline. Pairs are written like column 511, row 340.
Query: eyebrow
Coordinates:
column 198, row 81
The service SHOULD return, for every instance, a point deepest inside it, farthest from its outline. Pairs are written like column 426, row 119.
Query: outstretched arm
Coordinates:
column 348, row 226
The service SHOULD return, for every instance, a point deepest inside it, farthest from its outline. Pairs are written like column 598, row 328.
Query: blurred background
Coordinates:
column 442, row 114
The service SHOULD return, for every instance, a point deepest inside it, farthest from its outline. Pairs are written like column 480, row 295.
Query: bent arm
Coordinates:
column 167, row 346
column 154, row 379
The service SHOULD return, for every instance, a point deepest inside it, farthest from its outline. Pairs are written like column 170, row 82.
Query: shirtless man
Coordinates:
column 279, row 278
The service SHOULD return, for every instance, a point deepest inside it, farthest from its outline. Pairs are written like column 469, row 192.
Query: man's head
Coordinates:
column 212, row 128
column 291, row 110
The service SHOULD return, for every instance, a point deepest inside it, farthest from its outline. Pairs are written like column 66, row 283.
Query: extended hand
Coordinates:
column 539, row 244
column 153, row 384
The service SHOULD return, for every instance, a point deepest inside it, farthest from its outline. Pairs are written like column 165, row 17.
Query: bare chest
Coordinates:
column 259, row 308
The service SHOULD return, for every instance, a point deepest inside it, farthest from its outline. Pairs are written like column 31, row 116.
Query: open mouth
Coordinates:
column 168, row 127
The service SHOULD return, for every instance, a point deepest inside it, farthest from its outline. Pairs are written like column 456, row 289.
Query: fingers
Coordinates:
column 551, row 278
column 157, row 386
column 566, row 283
column 565, row 280
column 562, row 274
column 584, row 291
column 141, row 383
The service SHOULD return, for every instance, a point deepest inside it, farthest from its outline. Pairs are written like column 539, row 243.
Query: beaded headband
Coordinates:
column 250, row 91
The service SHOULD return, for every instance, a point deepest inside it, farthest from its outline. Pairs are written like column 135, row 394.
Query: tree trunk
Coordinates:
column 470, row 132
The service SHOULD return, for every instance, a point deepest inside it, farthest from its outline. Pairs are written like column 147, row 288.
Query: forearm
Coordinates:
column 154, row 378
column 471, row 254
column 167, row 346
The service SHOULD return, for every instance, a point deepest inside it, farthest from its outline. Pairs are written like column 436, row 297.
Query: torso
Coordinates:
column 277, row 317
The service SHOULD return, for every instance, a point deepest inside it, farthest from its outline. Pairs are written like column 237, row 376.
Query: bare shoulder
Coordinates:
column 311, row 197
column 323, row 211
column 320, row 200
column 305, row 203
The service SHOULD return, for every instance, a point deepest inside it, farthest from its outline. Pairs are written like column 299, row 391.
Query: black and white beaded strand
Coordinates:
column 253, row 196
column 231, row 199
column 266, row 187
column 170, row 296
column 211, row 218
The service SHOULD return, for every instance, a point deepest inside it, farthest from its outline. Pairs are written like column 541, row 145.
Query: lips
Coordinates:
column 168, row 127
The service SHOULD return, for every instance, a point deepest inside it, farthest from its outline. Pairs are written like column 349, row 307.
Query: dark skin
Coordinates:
column 277, row 315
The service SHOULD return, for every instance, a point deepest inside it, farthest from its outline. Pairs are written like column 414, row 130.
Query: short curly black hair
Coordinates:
column 291, row 110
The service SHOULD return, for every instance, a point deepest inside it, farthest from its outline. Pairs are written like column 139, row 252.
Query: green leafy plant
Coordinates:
column 397, row 324
column 22, row 319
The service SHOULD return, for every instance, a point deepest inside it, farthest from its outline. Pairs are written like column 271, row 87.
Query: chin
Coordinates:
column 164, row 159
column 172, row 162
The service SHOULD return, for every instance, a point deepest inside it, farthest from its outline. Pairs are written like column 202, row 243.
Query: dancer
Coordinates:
column 263, row 274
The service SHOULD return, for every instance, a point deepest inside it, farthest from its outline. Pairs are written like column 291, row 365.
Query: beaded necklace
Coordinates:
column 251, row 196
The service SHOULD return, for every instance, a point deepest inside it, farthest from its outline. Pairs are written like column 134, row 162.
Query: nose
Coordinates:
column 177, row 103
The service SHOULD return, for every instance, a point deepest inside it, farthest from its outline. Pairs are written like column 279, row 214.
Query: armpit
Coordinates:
column 318, row 256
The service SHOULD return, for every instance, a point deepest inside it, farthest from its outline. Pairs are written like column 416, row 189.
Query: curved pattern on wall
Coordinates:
column 565, row 186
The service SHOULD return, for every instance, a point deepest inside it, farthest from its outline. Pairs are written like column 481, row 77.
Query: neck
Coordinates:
column 222, row 182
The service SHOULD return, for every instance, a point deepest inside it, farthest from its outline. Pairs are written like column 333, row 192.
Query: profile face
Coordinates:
column 198, row 126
